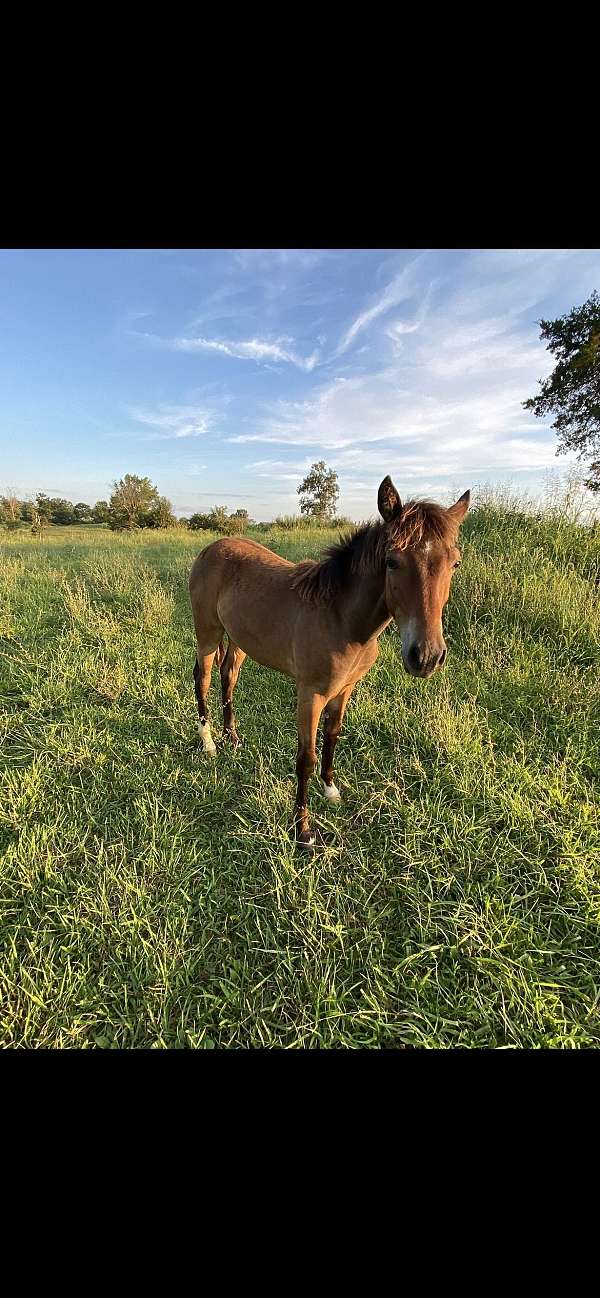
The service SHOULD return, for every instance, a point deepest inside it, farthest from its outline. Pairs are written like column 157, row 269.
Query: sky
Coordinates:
column 222, row 374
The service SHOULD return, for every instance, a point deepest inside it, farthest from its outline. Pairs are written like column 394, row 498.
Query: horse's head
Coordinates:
column 420, row 558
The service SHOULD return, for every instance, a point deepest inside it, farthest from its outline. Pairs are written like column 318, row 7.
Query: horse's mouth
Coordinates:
column 424, row 670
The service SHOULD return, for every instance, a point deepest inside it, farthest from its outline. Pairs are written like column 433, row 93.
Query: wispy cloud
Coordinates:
column 259, row 350
column 399, row 289
column 266, row 260
column 174, row 421
column 251, row 349
column 400, row 327
column 373, row 421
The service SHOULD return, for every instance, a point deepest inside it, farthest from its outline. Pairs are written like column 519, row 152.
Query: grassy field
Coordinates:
column 152, row 897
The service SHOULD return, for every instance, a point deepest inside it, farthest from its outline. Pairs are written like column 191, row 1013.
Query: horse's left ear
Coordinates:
column 459, row 510
column 388, row 500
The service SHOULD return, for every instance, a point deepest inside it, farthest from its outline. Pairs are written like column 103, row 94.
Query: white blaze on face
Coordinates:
column 206, row 737
column 408, row 635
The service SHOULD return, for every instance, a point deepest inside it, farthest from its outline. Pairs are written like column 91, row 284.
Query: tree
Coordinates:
column 200, row 523
column 61, row 511
column 82, row 512
column 132, row 498
column 218, row 519
column 10, row 512
column 43, row 506
column 572, row 390
column 319, row 492
column 160, row 514
column 238, row 522
column 38, row 521
column 101, row 512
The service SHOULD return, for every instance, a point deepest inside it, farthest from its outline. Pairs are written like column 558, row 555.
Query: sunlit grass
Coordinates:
column 152, row 897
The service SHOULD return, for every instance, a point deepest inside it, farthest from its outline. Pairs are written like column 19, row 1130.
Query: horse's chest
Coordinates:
column 350, row 668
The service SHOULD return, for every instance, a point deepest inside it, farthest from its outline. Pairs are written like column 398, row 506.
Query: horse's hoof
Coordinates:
column 306, row 841
column 233, row 738
column 210, row 750
column 332, row 792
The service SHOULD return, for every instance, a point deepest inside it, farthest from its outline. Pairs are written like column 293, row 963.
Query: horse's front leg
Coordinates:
column 310, row 707
column 334, row 716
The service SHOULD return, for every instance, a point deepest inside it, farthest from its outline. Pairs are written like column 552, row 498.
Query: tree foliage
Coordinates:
column 160, row 514
column 319, row 492
column 10, row 512
column 82, row 513
column 60, row 511
column 133, row 503
column 572, row 391
column 43, row 506
column 101, row 512
column 221, row 521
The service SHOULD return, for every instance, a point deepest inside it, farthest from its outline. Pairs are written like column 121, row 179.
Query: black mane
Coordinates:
column 362, row 551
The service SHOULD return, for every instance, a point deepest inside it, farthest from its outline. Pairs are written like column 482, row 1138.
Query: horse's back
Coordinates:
column 224, row 558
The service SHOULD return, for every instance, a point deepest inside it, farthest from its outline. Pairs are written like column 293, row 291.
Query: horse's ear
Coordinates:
column 459, row 510
column 388, row 500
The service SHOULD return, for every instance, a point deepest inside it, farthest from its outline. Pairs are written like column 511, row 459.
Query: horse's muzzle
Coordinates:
column 423, row 660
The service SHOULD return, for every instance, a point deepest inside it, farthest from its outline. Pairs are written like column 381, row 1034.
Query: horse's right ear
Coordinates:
column 388, row 500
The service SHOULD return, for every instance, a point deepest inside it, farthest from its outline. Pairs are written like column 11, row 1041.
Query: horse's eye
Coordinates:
column 391, row 563
column 457, row 564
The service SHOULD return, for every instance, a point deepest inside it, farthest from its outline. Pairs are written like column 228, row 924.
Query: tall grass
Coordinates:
column 153, row 898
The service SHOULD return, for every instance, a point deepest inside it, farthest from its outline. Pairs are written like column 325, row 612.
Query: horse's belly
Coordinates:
column 258, row 634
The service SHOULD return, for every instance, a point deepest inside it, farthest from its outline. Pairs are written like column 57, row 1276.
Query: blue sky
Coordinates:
column 224, row 374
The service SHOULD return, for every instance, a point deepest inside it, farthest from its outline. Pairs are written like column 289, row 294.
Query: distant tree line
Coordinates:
column 50, row 509
column 135, row 503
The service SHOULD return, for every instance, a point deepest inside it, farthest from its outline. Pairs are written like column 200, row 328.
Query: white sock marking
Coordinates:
column 332, row 792
column 206, row 737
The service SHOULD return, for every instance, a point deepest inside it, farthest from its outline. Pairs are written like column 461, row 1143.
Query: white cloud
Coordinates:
column 347, row 411
column 400, row 288
column 175, row 421
column 250, row 349
column 401, row 327
column 373, row 422
column 430, row 391
column 267, row 260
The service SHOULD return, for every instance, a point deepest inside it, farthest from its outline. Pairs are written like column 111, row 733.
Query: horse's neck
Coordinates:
column 364, row 611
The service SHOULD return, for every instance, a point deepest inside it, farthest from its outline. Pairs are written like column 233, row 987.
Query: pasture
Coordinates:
column 153, row 898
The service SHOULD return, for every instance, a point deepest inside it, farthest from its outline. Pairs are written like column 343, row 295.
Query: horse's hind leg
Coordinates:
column 202, row 671
column 230, row 670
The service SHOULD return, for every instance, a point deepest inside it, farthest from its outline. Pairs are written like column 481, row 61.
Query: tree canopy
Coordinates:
column 135, row 502
column 319, row 492
column 572, row 391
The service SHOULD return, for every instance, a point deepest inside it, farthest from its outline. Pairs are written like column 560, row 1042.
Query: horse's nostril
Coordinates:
column 442, row 658
column 416, row 657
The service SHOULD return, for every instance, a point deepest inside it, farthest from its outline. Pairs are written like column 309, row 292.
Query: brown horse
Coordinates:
column 320, row 622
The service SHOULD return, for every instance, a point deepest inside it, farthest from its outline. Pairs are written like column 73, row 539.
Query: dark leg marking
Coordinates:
column 230, row 670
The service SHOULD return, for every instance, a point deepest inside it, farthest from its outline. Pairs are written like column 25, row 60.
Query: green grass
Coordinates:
column 151, row 897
